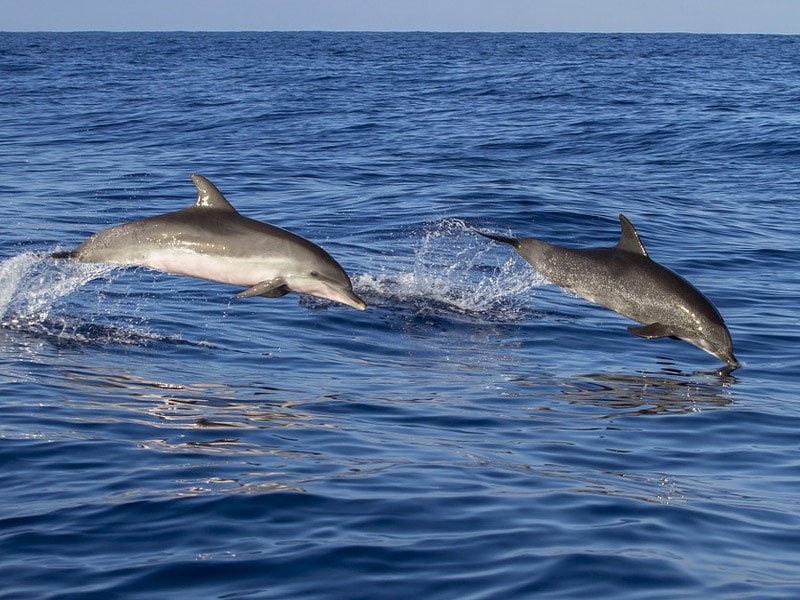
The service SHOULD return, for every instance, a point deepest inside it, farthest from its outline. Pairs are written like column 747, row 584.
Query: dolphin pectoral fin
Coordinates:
column 277, row 292
column 274, row 288
column 652, row 331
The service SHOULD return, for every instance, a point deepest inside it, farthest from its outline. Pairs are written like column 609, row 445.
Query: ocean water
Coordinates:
column 476, row 433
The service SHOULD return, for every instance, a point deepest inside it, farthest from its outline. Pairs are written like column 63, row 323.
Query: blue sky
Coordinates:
column 707, row 16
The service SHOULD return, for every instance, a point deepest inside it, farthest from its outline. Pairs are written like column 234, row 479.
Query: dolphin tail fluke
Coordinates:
column 499, row 238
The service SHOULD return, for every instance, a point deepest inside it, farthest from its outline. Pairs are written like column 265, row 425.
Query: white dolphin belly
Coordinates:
column 242, row 271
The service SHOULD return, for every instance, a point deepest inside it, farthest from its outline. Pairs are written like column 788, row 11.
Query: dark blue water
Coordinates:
column 476, row 433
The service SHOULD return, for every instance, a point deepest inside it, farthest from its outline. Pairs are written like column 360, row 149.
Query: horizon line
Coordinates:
column 454, row 31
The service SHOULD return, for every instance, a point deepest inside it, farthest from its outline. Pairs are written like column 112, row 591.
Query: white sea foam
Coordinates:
column 33, row 289
column 31, row 284
column 455, row 271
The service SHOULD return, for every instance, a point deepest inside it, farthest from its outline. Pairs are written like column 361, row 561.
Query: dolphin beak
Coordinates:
column 342, row 296
column 727, row 356
column 352, row 300
column 323, row 287
column 732, row 362
column 337, row 292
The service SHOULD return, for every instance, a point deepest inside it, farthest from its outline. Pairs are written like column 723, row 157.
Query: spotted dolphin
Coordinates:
column 626, row 280
column 211, row 240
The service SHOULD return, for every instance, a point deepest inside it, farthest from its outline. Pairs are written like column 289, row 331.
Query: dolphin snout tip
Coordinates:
column 358, row 303
column 347, row 297
column 729, row 359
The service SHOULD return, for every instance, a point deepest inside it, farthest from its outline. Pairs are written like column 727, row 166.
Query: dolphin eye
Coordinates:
column 314, row 274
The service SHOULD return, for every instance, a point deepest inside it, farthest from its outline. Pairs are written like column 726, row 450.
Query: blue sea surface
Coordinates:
column 477, row 432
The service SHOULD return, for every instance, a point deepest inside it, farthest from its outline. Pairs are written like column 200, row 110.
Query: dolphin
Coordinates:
column 211, row 240
column 626, row 280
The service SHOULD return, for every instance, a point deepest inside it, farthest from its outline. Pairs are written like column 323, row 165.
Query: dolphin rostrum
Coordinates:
column 626, row 280
column 211, row 240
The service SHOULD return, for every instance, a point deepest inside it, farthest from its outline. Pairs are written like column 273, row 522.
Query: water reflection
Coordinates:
column 195, row 405
column 650, row 394
column 198, row 437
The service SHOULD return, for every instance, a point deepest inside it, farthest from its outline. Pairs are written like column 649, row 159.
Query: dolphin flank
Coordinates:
column 626, row 280
column 211, row 240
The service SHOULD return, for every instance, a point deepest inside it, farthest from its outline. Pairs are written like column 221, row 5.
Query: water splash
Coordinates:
column 456, row 272
column 32, row 293
column 31, row 284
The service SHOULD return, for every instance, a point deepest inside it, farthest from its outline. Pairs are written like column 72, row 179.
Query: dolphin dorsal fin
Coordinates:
column 208, row 196
column 629, row 240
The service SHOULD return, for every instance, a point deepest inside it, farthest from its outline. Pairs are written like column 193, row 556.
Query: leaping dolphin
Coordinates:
column 211, row 240
column 626, row 280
